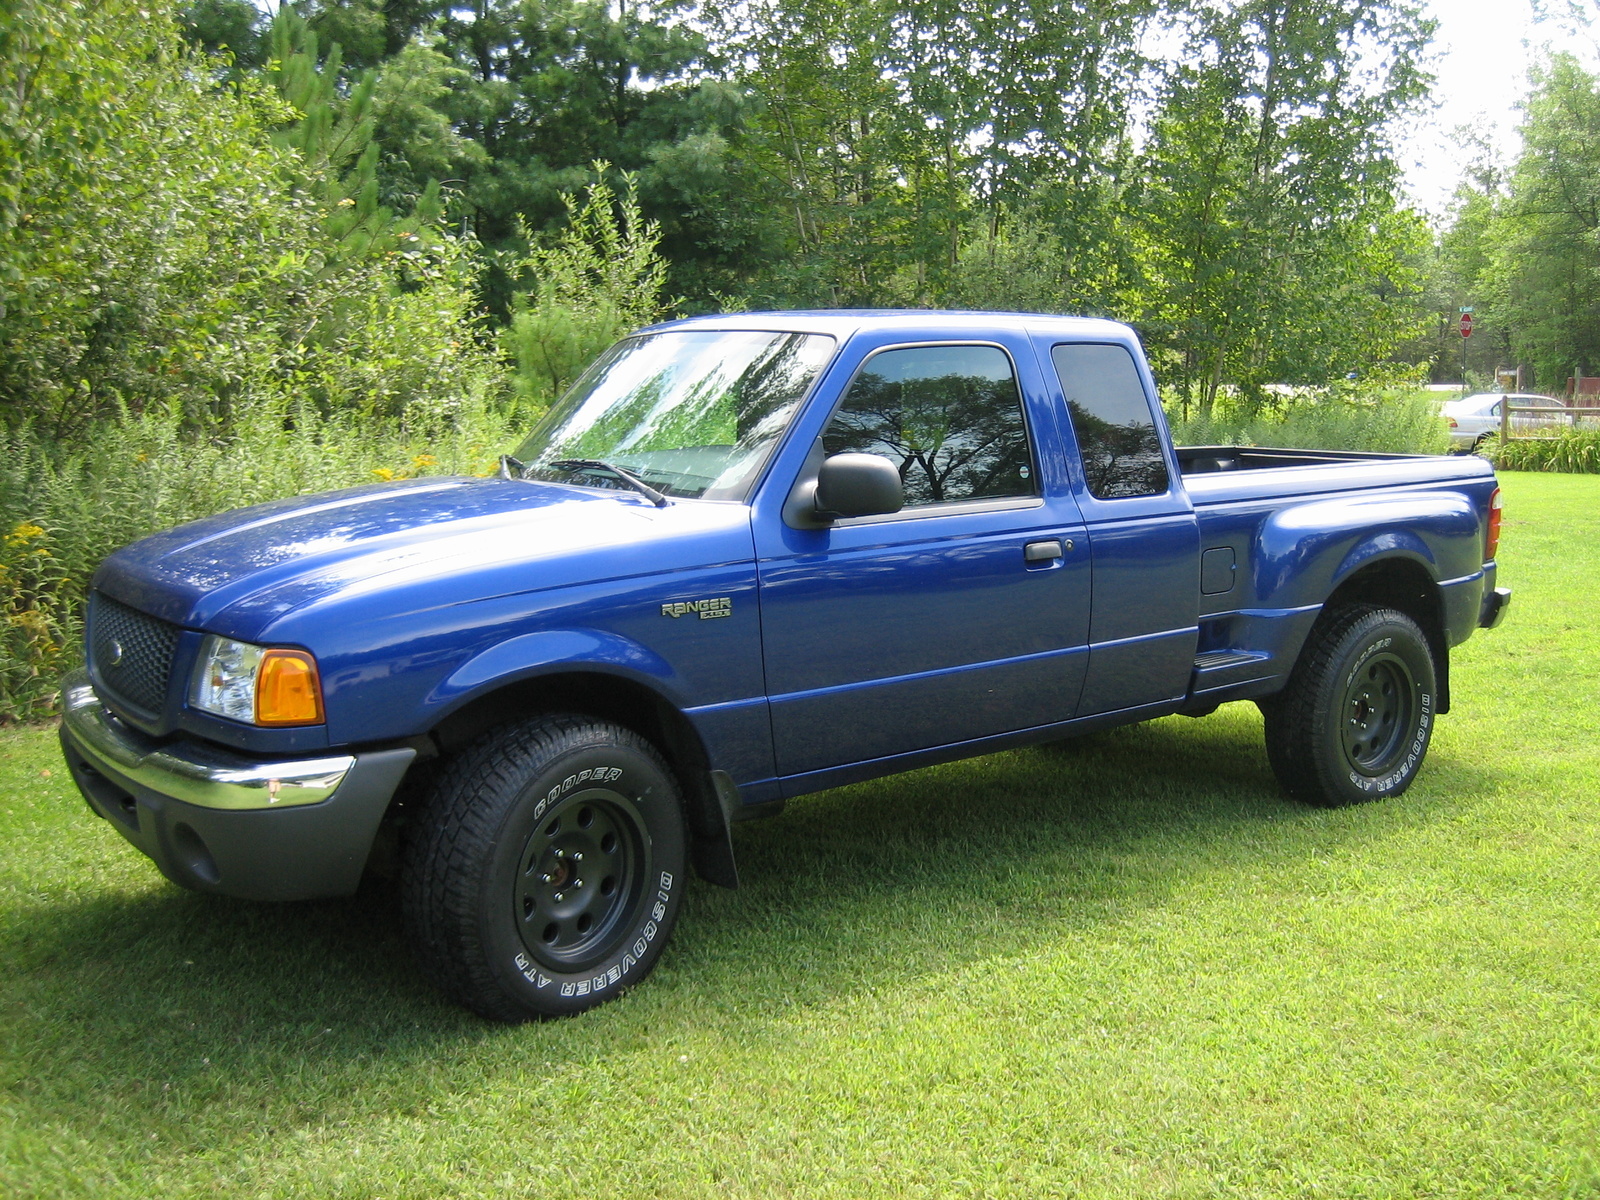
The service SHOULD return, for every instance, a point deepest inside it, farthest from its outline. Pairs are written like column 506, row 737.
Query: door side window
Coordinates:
column 1111, row 417
column 950, row 417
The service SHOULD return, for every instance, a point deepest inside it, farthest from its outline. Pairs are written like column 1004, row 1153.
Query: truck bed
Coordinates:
column 1221, row 474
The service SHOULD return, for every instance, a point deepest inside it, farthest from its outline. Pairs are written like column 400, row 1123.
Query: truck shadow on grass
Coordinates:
column 158, row 1003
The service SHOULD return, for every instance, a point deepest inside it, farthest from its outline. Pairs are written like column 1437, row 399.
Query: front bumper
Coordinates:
column 215, row 821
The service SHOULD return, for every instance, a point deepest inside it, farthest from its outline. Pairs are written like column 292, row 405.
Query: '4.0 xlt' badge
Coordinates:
column 722, row 606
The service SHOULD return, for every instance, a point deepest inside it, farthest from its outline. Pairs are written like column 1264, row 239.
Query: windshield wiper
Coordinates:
column 627, row 477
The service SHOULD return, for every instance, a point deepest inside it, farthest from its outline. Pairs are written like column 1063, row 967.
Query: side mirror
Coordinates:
column 858, row 485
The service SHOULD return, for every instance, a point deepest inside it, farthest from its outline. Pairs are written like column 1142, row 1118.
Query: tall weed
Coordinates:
column 1396, row 422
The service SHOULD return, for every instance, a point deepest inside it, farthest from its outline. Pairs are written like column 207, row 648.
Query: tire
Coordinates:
column 545, row 871
column 1354, row 722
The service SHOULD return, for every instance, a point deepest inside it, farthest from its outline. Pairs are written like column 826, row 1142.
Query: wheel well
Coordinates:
column 608, row 697
column 612, row 698
column 1405, row 586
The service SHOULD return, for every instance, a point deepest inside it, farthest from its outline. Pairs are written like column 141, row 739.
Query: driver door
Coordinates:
column 961, row 616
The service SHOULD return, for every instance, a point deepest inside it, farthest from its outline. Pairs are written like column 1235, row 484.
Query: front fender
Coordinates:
column 546, row 652
column 710, row 795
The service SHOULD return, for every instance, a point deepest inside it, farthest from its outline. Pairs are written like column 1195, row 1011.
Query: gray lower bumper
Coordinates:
column 1495, row 603
column 215, row 821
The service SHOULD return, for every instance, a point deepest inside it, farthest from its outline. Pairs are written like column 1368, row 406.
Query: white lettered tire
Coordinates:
column 1356, row 718
column 545, row 871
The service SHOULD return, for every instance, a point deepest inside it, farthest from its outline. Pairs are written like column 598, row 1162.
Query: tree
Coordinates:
column 551, row 86
column 1272, row 239
column 1538, row 257
column 597, row 279
column 892, row 134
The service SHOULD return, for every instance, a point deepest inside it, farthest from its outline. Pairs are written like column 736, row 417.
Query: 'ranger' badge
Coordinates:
column 722, row 606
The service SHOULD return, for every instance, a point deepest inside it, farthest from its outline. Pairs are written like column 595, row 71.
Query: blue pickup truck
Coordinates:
column 745, row 558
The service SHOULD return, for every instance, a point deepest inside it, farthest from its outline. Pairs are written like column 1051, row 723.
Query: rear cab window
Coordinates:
column 1113, row 421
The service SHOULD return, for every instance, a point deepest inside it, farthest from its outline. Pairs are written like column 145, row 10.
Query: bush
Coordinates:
column 1576, row 452
column 158, row 248
column 597, row 280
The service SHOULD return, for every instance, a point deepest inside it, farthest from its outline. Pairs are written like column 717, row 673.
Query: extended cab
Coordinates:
column 748, row 557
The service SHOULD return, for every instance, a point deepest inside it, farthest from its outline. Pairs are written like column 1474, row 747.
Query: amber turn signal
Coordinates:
column 288, row 691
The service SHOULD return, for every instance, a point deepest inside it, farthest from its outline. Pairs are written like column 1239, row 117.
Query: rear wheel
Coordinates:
column 1355, row 720
column 546, row 870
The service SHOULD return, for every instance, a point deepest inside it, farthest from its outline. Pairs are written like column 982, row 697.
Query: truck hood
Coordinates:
column 237, row 572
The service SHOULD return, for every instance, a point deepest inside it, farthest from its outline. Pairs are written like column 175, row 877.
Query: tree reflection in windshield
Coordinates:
column 692, row 413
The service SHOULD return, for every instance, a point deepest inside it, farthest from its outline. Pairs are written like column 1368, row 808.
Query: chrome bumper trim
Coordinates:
column 196, row 774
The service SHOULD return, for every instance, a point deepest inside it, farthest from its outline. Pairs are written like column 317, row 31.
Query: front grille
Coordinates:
column 131, row 652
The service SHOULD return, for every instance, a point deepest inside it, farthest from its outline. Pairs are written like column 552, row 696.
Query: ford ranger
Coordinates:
column 748, row 557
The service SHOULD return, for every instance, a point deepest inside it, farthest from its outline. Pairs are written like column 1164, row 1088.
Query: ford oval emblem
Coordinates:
column 116, row 652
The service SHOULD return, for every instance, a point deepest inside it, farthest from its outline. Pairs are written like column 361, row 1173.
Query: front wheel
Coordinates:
column 1354, row 722
column 546, row 869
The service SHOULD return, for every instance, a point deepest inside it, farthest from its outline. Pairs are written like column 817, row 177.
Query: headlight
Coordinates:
column 257, row 685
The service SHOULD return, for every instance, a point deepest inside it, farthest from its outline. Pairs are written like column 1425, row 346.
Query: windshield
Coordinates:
column 690, row 413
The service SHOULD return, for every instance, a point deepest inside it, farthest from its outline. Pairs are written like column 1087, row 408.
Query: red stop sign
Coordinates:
column 1466, row 325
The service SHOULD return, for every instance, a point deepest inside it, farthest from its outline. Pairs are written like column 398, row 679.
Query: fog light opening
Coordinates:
column 193, row 855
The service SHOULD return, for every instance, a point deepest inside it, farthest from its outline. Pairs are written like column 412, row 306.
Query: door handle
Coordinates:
column 1045, row 551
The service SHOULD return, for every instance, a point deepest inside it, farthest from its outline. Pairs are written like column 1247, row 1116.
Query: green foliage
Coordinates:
column 892, row 142
column 1576, row 452
column 157, row 248
column 1532, row 252
column 63, row 509
column 598, row 279
column 1272, row 242
column 225, row 27
column 1393, row 421
column 336, row 158
column 546, row 87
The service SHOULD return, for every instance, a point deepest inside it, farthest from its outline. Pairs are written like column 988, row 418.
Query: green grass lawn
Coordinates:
column 1121, row 966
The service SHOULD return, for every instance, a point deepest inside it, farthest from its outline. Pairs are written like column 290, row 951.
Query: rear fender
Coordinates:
column 1307, row 550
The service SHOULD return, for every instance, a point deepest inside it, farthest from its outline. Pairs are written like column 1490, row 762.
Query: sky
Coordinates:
column 1483, row 51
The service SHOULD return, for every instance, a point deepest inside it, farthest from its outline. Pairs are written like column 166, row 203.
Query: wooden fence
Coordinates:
column 1573, row 415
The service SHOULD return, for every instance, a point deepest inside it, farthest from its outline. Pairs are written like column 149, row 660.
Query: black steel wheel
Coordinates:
column 546, row 869
column 1377, row 714
column 1355, row 720
column 581, row 874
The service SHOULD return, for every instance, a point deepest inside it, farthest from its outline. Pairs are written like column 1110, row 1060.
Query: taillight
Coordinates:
column 1491, row 541
column 1453, row 424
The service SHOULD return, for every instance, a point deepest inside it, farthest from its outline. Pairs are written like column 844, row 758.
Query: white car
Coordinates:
column 1474, row 419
